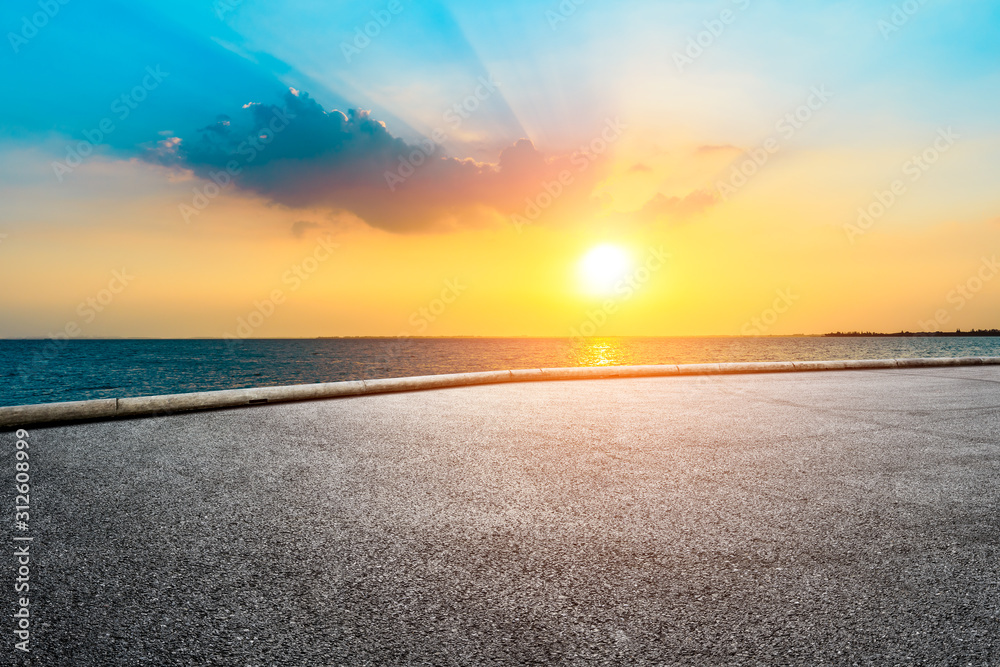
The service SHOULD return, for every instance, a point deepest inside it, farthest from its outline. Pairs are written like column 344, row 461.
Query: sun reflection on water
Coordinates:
column 600, row 352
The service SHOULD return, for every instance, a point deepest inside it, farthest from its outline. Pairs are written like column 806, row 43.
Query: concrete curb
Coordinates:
column 147, row 406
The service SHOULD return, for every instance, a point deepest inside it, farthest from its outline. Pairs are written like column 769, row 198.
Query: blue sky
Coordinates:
column 599, row 60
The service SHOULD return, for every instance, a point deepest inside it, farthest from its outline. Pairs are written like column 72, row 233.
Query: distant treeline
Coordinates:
column 919, row 334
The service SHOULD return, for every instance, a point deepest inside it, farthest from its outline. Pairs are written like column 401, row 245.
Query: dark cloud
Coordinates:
column 301, row 156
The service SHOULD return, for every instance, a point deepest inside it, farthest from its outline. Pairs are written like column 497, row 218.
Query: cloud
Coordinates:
column 677, row 209
column 301, row 156
column 299, row 227
column 640, row 168
column 709, row 149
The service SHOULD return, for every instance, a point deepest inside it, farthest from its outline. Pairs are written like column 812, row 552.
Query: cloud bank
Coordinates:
column 299, row 155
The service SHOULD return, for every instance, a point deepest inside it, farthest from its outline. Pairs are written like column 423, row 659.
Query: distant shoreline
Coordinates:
column 922, row 334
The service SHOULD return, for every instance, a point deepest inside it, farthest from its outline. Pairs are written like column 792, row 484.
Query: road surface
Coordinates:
column 825, row 518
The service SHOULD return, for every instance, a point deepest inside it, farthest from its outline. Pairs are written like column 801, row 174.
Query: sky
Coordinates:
column 296, row 169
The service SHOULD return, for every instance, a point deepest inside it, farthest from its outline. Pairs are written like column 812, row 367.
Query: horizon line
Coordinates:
column 972, row 333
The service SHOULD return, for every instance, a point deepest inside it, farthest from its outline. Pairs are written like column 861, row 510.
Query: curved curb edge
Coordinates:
column 149, row 406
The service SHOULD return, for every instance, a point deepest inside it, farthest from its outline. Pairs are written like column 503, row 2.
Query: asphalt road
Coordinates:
column 830, row 518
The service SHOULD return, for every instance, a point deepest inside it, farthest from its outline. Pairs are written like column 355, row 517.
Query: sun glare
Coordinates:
column 603, row 267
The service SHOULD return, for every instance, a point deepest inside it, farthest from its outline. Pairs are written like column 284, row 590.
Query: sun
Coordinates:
column 603, row 267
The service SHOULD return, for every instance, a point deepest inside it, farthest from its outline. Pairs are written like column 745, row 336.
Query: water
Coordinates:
column 44, row 371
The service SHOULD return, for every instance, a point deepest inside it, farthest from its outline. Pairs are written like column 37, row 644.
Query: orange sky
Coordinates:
column 746, row 170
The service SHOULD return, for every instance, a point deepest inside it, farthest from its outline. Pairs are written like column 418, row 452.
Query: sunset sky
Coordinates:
column 300, row 169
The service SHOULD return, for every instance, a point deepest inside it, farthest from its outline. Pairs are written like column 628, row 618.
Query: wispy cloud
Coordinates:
column 661, row 207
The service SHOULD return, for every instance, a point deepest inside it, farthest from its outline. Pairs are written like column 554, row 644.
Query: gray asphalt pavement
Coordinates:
column 830, row 518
